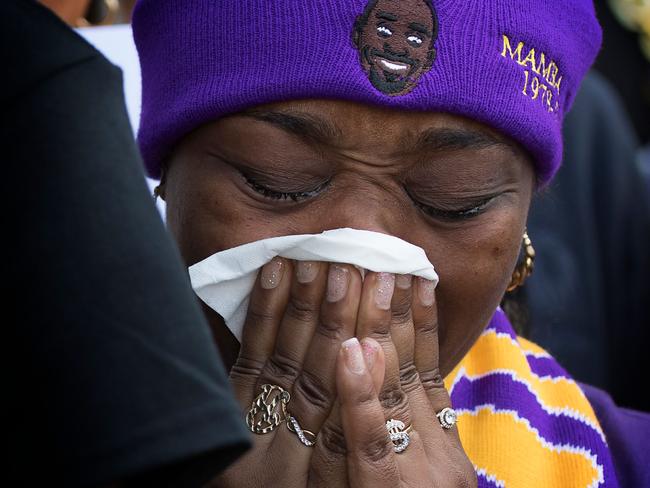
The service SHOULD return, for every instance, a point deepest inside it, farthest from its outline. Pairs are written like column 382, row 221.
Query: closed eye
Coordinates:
column 273, row 194
column 454, row 214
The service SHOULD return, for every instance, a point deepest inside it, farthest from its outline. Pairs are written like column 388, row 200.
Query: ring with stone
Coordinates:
column 269, row 409
column 447, row 417
column 307, row 437
column 399, row 434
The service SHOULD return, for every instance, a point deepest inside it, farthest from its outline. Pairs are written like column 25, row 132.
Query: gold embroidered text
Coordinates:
column 542, row 78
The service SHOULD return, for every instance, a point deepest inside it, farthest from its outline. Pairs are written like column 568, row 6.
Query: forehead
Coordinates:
column 404, row 10
column 350, row 125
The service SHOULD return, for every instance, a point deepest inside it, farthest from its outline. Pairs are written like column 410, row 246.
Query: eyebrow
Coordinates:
column 444, row 139
column 387, row 16
column 419, row 28
column 310, row 128
column 317, row 130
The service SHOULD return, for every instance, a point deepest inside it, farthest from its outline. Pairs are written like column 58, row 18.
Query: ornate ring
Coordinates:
column 399, row 435
column 268, row 410
column 307, row 437
column 447, row 417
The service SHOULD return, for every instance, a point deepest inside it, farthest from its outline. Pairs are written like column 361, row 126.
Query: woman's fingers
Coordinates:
column 297, row 326
column 425, row 326
column 329, row 467
column 267, row 304
column 427, row 357
column 314, row 390
column 402, row 334
column 375, row 321
column 370, row 455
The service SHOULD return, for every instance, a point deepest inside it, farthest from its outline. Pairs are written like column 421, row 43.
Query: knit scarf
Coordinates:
column 522, row 420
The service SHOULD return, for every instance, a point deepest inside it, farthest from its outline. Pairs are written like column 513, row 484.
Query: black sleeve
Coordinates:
column 113, row 370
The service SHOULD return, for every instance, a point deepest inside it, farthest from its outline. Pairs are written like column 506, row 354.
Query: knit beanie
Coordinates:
column 514, row 65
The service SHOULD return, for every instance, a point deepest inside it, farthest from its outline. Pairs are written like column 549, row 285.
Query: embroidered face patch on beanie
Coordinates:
column 513, row 65
column 396, row 42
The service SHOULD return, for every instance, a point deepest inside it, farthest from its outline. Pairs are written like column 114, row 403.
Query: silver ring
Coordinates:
column 399, row 434
column 447, row 417
column 307, row 437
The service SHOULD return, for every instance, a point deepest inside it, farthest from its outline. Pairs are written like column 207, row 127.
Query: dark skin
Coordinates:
column 70, row 11
column 454, row 187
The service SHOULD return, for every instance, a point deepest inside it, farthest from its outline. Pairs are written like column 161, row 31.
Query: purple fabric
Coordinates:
column 504, row 391
column 203, row 59
column 544, row 367
column 501, row 391
column 484, row 482
column 628, row 436
column 501, row 324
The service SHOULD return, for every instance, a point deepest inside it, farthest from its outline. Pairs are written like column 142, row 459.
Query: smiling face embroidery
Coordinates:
column 395, row 39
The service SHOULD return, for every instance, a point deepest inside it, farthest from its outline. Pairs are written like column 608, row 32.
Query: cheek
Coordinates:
column 207, row 212
column 371, row 41
column 475, row 268
column 422, row 56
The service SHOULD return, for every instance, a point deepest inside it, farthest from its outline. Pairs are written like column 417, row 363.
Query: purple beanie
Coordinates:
column 514, row 65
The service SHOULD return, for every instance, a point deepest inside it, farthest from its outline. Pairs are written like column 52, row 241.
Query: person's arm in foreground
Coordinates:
column 115, row 372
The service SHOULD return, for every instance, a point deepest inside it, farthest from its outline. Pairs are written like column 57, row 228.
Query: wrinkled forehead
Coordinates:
column 349, row 125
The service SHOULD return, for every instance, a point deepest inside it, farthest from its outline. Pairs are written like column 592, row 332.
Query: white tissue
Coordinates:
column 224, row 280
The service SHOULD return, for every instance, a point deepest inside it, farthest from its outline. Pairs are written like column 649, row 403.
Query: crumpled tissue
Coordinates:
column 224, row 281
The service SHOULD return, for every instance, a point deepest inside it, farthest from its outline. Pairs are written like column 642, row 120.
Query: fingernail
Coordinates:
column 426, row 291
column 353, row 356
column 369, row 352
column 403, row 282
column 272, row 273
column 384, row 290
column 306, row 271
column 337, row 283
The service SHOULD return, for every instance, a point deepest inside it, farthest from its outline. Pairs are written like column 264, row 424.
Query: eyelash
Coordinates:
column 277, row 195
column 453, row 215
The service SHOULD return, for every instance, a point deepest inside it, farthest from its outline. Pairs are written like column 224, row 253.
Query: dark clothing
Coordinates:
column 589, row 296
column 628, row 437
column 116, row 372
column 622, row 62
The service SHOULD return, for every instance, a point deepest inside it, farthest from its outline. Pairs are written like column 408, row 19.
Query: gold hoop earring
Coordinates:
column 525, row 268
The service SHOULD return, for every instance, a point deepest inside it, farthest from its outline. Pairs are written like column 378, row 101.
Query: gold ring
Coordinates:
column 269, row 409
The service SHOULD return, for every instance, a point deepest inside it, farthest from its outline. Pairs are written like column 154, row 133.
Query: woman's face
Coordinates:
column 452, row 186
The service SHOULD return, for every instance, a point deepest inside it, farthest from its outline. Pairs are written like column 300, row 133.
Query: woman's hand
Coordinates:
column 298, row 317
column 412, row 392
column 399, row 380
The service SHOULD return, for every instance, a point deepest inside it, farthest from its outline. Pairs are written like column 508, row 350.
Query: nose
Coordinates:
column 396, row 47
column 366, row 210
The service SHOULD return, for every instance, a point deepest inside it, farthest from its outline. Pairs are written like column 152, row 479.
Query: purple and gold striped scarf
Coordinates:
column 522, row 420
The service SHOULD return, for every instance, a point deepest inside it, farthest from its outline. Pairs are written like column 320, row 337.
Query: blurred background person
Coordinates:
column 588, row 299
column 83, row 13
column 625, row 58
